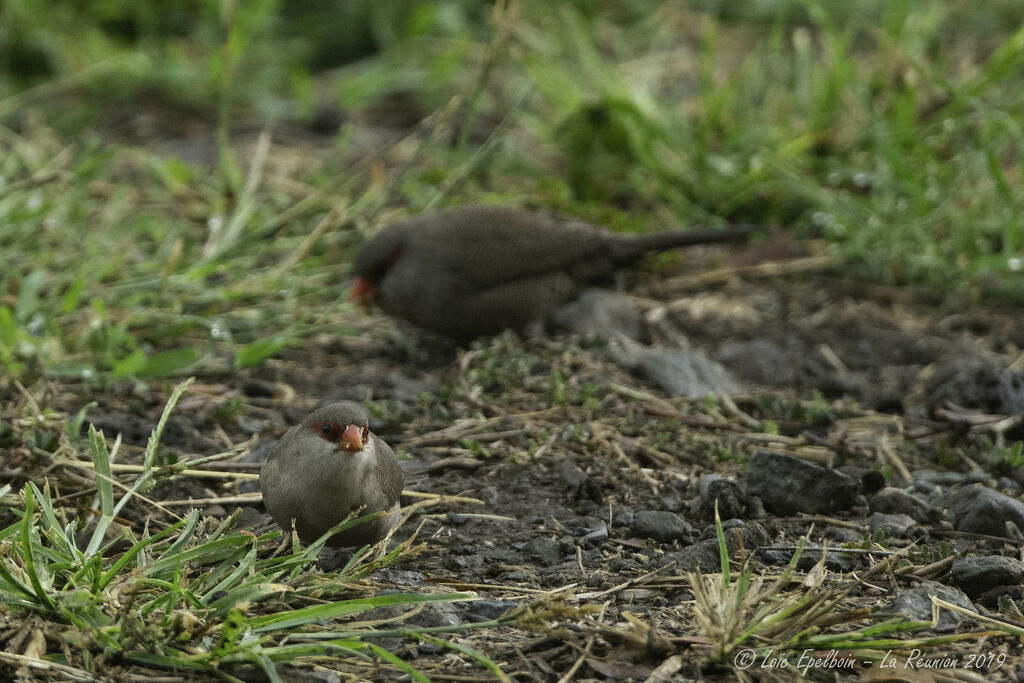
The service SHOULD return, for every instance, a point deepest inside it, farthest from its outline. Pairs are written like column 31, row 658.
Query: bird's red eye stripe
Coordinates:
column 326, row 430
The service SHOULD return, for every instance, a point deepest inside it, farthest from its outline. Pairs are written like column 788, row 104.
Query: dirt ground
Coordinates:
column 565, row 450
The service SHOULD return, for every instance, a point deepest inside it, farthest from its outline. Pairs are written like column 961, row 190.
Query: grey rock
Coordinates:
column 702, row 556
column 546, row 551
column 915, row 604
column 436, row 614
column 730, row 496
column 601, row 314
column 660, row 525
column 787, row 485
column 976, row 574
column 401, row 577
column 900, row 526
column 980, row 510
column 705, row 555
column 898, row 502
column 579, row 485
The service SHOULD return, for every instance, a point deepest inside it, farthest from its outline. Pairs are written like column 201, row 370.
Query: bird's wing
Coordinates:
column 484, row 245
column 276, row 485
column 388, row 472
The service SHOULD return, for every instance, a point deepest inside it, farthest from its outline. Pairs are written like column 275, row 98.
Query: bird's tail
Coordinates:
column 629, row 248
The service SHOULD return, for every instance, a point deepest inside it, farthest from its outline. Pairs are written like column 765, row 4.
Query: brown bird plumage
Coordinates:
column 328, row 467
column 476, row 270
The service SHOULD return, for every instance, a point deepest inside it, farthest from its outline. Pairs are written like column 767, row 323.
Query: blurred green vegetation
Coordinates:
column 135, row 247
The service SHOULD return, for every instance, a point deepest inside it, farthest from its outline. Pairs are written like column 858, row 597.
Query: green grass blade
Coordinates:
column 105, row 487
column 27, row 556
column 258, row 351
column 186, row 534
column 166, row 363
column 307, row 615
column 51, row 527
column 154, row 438
column 15, row 585
column 723, row 548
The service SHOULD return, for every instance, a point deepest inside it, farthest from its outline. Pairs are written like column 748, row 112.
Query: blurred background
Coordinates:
column 181, row 184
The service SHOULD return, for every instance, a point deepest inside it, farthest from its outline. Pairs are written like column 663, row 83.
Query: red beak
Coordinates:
column 363, row 291
column 352, row 438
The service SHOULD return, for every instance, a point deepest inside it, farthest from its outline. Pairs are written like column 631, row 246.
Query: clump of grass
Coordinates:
column 779, row 628
column 194, row 595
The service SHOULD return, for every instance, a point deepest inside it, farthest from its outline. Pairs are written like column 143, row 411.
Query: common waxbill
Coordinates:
column 476, row 270
column 328, row 467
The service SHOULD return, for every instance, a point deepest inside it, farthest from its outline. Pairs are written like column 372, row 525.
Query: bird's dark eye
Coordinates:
column 325, row 429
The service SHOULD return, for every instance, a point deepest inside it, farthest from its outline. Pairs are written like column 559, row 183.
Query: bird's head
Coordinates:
column 343, row 425
column 373, row 262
